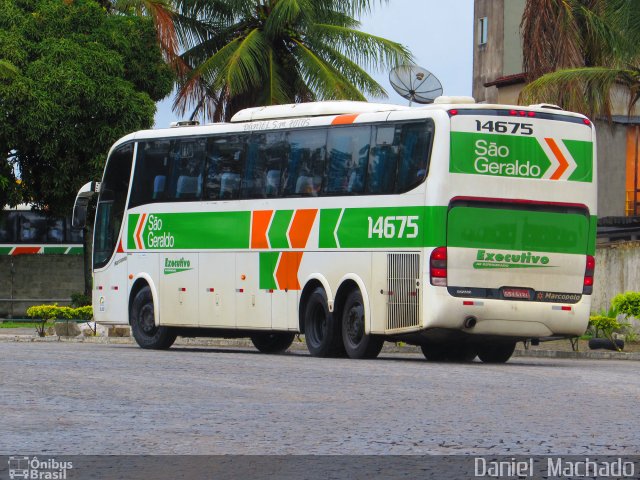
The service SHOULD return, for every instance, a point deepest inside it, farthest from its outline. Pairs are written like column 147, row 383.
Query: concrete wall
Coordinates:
column 617, row 271
column 38, row 278
column 488, row 58
column 612, row 158
column 512, row 49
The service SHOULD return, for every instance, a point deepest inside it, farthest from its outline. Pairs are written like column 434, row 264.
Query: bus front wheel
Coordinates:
column 357, row 343
column 143, row 327
column 272, row 342
column 496, row 352
column 321, row 331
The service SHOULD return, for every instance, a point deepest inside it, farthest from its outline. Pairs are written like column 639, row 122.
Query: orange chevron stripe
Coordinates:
column 345, row 119
column 287, row 271
column 120, row 249
column 301, row 227
column 138, row 234
column 563, row 161
column 259, row 227
column 25, row 250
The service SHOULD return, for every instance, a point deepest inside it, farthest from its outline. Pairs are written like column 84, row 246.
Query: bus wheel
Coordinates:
column 321, row 331
column 434, row 352
column 462, row 352
column 496, row 352
column 272, row 342
column 356, row 343
column 143, row 327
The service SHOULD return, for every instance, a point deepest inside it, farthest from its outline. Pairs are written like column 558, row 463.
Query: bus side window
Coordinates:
column 225, row 156
column 55, row 230
column 383, row 161
column 151, row 173
column 415, row 146
column 305, row 170
column 348, row 151
column 32, row 228
column 266, row 155
column 8, row 233
column 188, row 160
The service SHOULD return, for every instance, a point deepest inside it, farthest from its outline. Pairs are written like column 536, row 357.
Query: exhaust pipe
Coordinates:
column 470, row 322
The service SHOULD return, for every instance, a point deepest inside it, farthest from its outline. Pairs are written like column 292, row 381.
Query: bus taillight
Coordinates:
column 438, row 267
column 590, row 268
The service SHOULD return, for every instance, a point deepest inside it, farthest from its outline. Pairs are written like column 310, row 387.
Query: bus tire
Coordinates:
column 462, row 352
column 141, row 318
column 496, row 352
column 434, row 352
column 321, row 331
column 358, row 344
column 272, row 342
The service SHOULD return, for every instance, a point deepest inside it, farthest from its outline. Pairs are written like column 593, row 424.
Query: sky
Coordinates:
column 438, row 33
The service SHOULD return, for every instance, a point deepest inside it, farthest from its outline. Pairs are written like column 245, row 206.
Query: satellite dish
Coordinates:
column 416, row 84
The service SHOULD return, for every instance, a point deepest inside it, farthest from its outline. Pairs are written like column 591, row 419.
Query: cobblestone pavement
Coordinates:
column 73, row 398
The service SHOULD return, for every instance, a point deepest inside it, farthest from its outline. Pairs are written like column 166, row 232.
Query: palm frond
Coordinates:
column 587, row 90
column 352, row 71
column 246, row 63
column 368, row 50
column 275, row 92
column 326, row 81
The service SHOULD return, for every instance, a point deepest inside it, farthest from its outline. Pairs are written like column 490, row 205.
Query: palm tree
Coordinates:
column 579, row 52
column 265, row 52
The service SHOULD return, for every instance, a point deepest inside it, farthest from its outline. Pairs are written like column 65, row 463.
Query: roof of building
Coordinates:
column 506, row 80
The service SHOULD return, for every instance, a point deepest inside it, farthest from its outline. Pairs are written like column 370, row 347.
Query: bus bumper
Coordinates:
column 505, row 318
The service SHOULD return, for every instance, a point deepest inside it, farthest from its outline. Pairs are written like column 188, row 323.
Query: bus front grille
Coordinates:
column 403, row 290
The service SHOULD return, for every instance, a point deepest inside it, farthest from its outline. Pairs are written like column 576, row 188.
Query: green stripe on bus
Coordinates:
column 54, row 250
column 584, row 152
column 516, row 156
column 593, row 233
column 198, row 230
column 5, row 250
column 525, row 230
column 328, row 221
column 500, row 155
column 268, row 263
column 385, row 227
column 278, row 229
column 131, row 230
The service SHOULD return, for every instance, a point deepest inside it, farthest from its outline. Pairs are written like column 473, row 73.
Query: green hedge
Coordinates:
column 55, row 312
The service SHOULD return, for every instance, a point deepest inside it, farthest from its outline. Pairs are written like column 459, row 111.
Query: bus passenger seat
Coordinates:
column 158, row 185
column 187, row 187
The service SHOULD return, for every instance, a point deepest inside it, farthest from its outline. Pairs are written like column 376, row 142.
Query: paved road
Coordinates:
column 65, row 398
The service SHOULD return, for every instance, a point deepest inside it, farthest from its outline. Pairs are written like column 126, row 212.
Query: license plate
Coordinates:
column 516, row 293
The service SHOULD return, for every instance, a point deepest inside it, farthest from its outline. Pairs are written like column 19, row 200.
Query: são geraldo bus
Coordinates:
column 459, row 227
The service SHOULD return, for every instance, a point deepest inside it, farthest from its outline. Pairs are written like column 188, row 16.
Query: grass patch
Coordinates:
column 23, row 324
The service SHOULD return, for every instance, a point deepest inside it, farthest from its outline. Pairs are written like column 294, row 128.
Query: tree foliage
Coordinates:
column 577, row 52
column 265, row 52
column 75, row 79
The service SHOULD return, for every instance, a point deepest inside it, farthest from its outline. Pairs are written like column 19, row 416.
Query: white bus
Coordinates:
column 459, row 227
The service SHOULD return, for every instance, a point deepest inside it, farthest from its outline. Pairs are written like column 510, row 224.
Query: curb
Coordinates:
column 301, row 346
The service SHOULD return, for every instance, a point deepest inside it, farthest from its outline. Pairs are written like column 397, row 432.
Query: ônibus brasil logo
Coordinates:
column 176, row 266
column 487, row 260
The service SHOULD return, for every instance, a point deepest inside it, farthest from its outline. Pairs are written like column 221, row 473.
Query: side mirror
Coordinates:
column 88, row 190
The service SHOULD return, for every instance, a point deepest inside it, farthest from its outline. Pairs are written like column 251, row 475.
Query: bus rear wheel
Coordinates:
column 449, row 352
column 143, row 326
column 357, row 343
column 272, row 342
column 321, row 331
column 496, row 352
